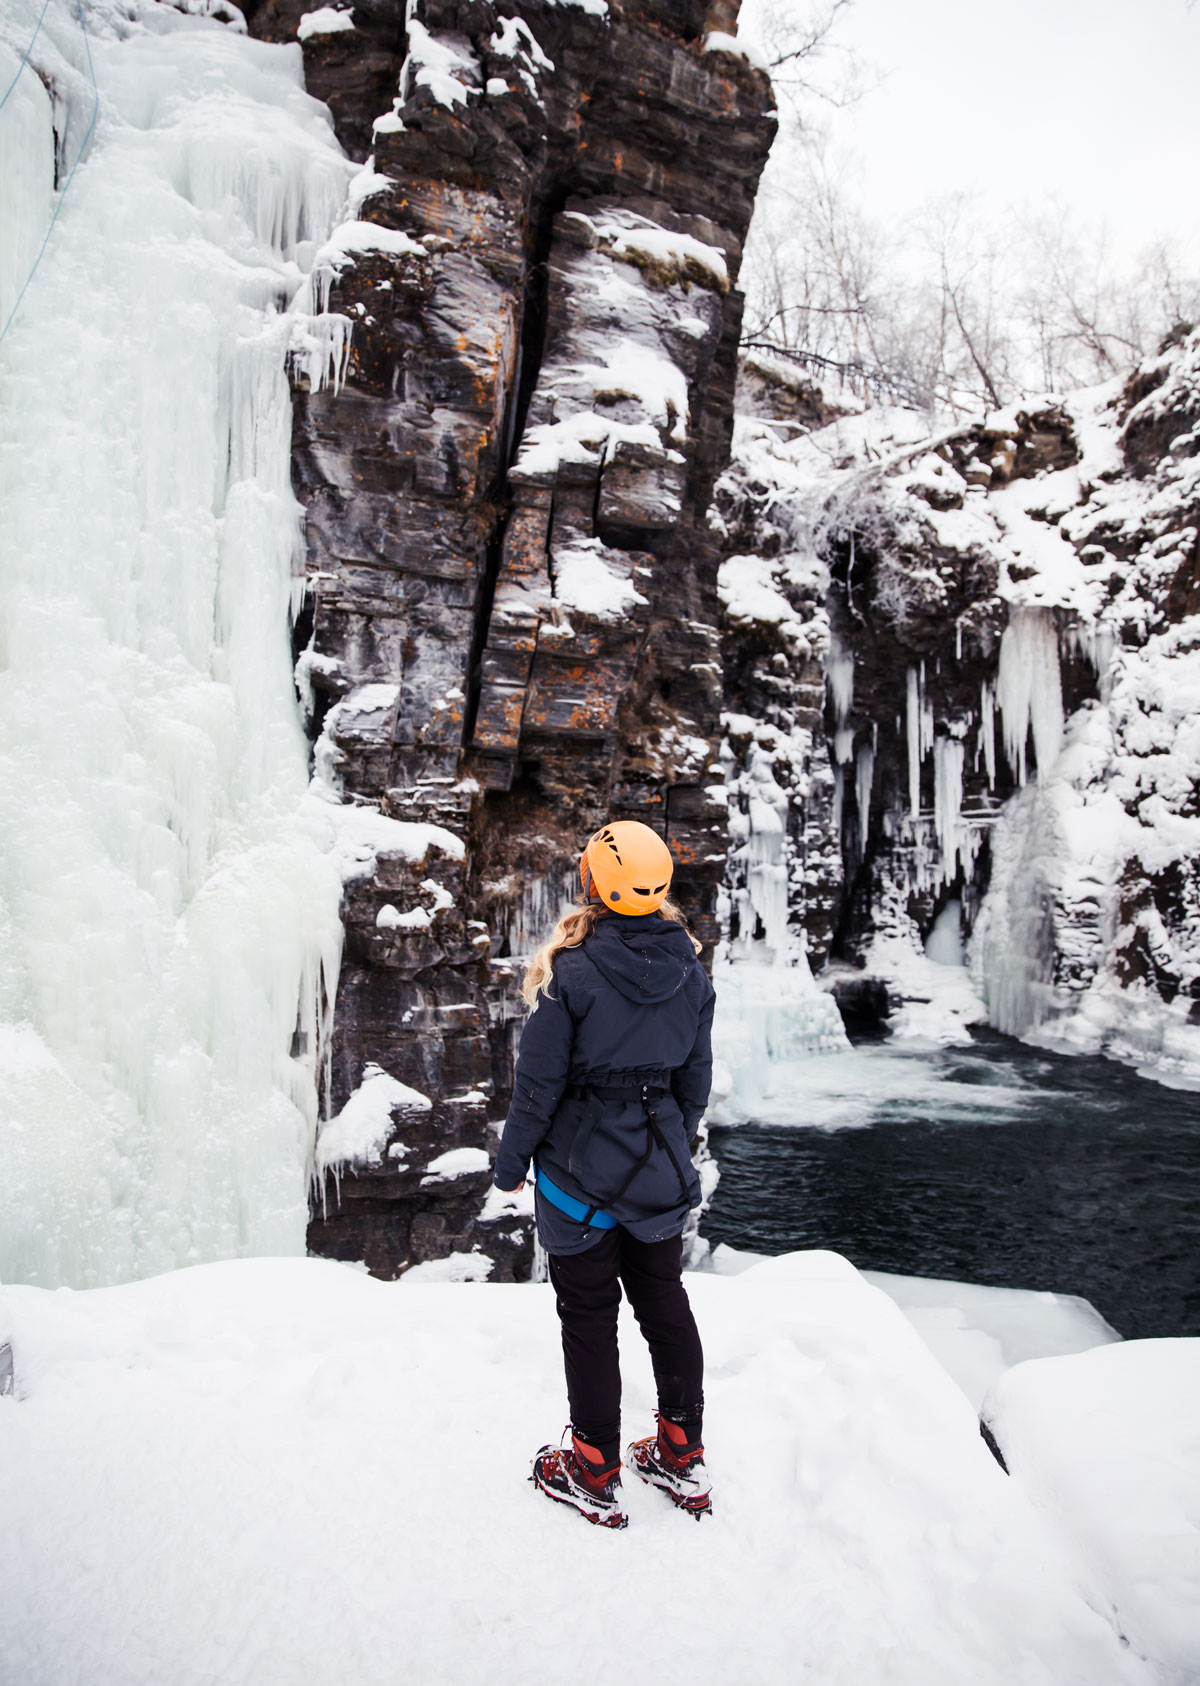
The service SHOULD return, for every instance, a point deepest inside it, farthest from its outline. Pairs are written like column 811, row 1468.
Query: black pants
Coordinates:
column 588, row 1286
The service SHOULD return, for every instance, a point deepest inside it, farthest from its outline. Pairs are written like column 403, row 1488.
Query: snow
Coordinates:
column 934, row 999
column 634, row 371
column 458, row 1267
column 629, row 235
column 514, row 38
column 500, row 1203
column 326, row 20
column 353, row 239
column 578, row 438
column 976, row 1333
column 1107, row 1443
column 747, row 588
column 391, row 919
column 456, row 1162
column 358, row 1133
column 358, row 835
column 181, row 1469
column 444, row 63
column 364, row 185
column 594, row 580
column 716, row 41
column 168, row 920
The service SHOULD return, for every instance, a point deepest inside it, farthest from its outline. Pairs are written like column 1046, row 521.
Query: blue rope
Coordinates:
column 25, row 55
column 71, row 176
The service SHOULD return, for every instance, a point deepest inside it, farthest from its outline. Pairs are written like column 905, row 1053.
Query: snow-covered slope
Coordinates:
column 970, row 653
column 1131, row 1411
column 280, row 1470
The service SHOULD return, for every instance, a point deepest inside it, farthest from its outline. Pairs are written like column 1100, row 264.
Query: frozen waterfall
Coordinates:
column 169, row 932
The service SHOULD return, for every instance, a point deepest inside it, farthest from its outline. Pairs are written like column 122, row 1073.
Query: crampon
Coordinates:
column 559, row 1474
column 681, row 1476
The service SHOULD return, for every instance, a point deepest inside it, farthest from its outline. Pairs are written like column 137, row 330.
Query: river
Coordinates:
column 994, row 1163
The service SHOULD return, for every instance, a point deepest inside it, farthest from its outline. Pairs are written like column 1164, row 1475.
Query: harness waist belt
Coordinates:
column 609, row 1092
column 567, row 1203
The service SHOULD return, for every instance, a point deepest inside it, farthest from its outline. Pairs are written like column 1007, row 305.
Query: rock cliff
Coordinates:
column 871, row 678
column 513, row 401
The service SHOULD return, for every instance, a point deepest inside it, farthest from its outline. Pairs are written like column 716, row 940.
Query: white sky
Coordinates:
column 1095, row 102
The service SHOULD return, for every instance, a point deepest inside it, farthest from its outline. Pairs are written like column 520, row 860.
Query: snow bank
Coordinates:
column 456, row 1162
column 352, row 239
column 975, row 1333
column 358, row 834
column 589, row 577
column 326, row 20
column 1108, row 1444
column 356, row 1135
column 183, row 1472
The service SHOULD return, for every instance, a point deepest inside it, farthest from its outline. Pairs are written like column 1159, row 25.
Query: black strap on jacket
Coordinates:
column 654, row 1136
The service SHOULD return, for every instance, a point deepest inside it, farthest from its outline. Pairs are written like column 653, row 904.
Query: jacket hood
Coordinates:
column 643, row 956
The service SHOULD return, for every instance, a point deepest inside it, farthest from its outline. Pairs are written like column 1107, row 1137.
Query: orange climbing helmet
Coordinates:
column 626, row 866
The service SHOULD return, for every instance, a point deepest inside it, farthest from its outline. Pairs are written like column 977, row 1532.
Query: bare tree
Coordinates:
column 951, row 311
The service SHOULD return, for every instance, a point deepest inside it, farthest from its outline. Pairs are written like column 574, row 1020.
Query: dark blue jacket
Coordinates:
column 631, row 1005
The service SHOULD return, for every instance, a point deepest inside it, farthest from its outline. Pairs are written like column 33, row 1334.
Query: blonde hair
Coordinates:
column 575, row 926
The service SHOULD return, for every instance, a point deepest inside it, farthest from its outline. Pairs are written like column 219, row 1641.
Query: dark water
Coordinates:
column 997, row 1164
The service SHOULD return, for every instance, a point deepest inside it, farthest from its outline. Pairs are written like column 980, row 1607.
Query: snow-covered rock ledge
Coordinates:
column 176, row 1506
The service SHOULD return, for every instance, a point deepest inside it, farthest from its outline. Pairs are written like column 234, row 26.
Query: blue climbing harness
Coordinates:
column 577, row 1209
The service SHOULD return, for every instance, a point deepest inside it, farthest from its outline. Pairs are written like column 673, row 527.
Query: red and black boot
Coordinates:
column 673, row 1459
column 581, row 1476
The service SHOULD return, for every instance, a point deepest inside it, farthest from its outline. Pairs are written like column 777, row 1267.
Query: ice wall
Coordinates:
column 169, row 929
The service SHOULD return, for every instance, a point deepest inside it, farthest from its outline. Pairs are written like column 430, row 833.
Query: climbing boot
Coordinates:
column 673, row 1459
column 577, row 1476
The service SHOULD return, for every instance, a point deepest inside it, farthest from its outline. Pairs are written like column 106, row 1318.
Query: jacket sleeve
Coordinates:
column 538, row 1083
column 691, row 1082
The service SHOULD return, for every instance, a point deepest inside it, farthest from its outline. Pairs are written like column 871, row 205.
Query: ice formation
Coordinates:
column 1029, row 690
column 169, row 925
column 1037, row 566
column 768, row 1020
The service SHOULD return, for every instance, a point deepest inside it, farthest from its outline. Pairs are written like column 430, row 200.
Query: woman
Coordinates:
column 611, row 1082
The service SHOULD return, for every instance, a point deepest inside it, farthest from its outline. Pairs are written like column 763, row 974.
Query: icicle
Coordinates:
column 839, row 676
column 948, row 755
column 320, row 349
column 987, row 732
column 864, row 777
column 1029, row 690
column 919, row 713
column 1095, row 643
column 839, row 801
column 913, row 718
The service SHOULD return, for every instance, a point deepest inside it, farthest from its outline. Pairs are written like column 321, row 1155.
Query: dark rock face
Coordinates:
column 511, row 624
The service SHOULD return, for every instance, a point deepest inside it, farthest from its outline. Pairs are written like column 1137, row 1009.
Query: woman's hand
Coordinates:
column 516, row 1190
